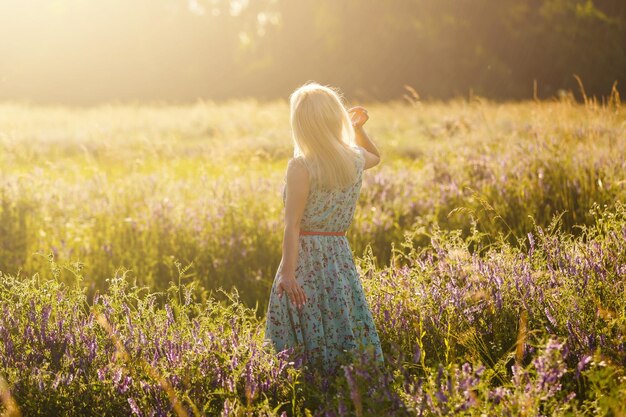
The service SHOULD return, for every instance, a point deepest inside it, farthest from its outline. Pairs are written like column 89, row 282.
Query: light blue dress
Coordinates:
column 336, row 317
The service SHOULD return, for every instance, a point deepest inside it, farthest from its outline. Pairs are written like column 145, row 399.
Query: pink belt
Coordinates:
column 308, row 232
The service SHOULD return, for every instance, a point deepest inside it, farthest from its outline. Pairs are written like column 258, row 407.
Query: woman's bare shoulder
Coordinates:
column 297, row 159
column 297, row 168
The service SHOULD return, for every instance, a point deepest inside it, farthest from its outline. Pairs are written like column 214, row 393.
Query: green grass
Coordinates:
column 483, row 220
column 141, row 186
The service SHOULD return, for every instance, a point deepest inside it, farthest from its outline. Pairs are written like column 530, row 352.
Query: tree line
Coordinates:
column 443, row 48
column 181, row 50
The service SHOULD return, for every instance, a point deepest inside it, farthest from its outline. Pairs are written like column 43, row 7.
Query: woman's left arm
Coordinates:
column 297, row 194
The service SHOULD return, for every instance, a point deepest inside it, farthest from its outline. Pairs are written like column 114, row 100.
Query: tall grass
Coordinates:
column 490, row 243
column 144, row 187
column 515, row 332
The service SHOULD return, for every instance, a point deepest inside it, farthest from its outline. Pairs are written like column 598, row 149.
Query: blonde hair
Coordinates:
column 323, row 135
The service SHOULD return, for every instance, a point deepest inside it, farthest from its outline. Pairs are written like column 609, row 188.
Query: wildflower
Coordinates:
column 582, row 364
column 134, row 407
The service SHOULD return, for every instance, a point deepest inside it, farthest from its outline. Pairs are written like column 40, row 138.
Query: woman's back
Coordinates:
column 332, row 210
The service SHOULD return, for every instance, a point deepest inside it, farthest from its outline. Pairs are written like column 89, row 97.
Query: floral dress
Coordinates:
column 336, row 317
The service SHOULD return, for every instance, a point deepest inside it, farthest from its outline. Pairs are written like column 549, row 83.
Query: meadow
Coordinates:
column 138, row 244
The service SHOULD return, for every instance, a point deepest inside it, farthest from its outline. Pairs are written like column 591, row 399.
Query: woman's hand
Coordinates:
column 359, row 116
column 294, row 291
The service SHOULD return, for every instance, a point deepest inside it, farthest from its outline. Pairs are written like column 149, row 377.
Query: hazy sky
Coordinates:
column 81, row 50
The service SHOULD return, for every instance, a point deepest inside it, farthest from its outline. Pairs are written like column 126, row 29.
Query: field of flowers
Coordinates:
column 138, row 245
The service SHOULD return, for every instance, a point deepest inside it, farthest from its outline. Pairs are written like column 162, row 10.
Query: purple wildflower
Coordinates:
column 134, row 407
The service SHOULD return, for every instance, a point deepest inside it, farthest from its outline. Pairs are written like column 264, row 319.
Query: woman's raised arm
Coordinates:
column 359, row 117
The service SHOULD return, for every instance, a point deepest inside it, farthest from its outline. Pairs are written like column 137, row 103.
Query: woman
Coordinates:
column 325, row 312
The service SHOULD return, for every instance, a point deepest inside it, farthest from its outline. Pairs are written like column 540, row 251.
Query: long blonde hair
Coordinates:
column 323, row 135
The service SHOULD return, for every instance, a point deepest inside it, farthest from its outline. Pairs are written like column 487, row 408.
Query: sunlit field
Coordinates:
column 138, row 245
